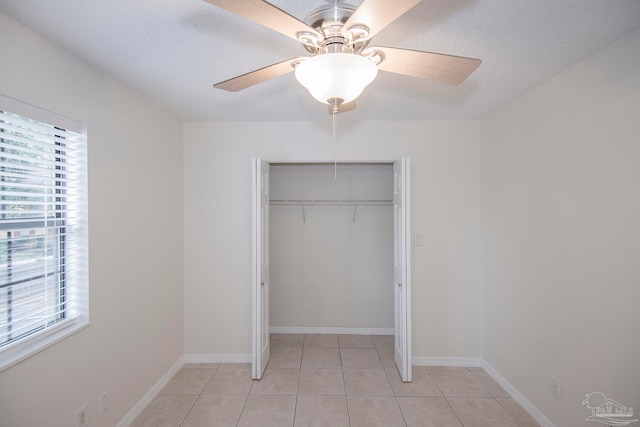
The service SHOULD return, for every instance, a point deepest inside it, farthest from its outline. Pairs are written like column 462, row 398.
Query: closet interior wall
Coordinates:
column 331, row 265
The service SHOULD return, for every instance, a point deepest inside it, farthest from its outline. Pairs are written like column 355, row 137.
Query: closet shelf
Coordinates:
column 336, row 202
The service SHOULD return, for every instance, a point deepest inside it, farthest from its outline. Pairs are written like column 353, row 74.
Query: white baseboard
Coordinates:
column 517, row 396
column 217, row 358
column 446, row 361
column 151, row 394
column 330, row 330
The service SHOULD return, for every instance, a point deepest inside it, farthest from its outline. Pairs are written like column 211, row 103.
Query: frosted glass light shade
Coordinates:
column 336, row 75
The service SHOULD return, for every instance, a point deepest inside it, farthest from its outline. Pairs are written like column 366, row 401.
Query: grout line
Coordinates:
column 505, row 409
column 295, row 405
column 445, row 397
column 246, row 401
column 189, row 411
column 454, row 411
column 346, row 396
column 488, row 391
column 395, row 396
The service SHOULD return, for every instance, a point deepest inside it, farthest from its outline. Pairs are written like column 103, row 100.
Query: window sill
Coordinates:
column 27, row 347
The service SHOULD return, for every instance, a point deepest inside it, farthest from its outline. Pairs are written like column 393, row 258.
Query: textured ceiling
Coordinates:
column 174, row 50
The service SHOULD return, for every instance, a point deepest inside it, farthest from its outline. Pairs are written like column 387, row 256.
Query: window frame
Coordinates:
column 24, row 347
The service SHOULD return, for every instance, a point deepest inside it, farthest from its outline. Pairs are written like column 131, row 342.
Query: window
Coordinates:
column 43, row 230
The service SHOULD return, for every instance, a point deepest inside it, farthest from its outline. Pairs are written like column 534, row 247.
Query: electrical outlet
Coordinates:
column 555, row 387
column 104, row 402
column 82, row 417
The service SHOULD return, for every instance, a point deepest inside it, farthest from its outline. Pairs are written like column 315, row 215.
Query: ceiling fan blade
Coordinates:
column 343, row 108
column 448, row 69
column 268, row 15
column 258, row 76
column 377, row 14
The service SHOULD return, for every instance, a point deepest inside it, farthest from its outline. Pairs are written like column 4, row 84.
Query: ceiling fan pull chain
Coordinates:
column 335, row 144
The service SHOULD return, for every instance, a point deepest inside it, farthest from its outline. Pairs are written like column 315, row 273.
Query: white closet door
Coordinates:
column 260, row 346
column 402, row 267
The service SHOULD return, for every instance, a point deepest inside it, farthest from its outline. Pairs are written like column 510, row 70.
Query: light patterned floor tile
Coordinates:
column 387, row 357
column 326, row 382
column 383, row 342
column 355, row 341
column 215, row 410
column 360, row 358
column 285, row 357
column 446, row 368
column 321, row 411
column 367, row 382
column 235, row 366
column 201, row 365
column 521, row 416
column 333, row 381
column 490, row 384
column 321, row 358
column 165, row 411
column 481, row 412
column 458, row 383
column 427, row 412
column 229, row 381
column 277, row 381
column 286, row 340
column 421, row 383
column 374, row 411
column 321, row 340
column 188, row 381
column 268, row 411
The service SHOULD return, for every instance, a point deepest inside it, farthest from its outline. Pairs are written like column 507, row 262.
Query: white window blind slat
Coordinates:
column 28, row 134
column 31, row 179
column 34, row 315
column 20, row 139
column 34, row 173
column 21, row 159
column 23, row 142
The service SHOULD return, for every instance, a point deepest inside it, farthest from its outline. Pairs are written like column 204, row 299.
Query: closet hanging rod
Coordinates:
column 336, row 202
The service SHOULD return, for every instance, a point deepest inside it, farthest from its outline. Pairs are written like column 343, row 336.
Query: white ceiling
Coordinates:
column 174, row 50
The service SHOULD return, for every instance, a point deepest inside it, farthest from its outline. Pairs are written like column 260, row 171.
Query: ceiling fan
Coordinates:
column 341, row 61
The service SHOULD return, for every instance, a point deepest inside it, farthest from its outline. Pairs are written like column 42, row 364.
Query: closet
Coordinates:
column 331, row 248
column 331, row 252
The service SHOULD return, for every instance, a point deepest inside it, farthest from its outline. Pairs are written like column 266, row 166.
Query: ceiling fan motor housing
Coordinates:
column 329, row 21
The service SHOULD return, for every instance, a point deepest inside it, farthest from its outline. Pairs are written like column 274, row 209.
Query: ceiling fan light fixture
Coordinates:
column 333, row 76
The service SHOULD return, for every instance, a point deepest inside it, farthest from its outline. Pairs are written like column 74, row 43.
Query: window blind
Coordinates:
column 43, row 227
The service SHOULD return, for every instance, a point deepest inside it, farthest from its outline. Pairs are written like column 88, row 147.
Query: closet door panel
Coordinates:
column 260, row 335
column 402, row 267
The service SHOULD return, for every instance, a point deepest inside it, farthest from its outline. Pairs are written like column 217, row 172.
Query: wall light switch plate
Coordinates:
column 417, row 239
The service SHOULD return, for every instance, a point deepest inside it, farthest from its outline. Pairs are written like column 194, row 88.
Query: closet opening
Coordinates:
column 331, row 253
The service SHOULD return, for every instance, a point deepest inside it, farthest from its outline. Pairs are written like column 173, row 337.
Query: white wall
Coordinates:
column 446, row 210
column 135, row 234
column 327, row 269
column 561, row 219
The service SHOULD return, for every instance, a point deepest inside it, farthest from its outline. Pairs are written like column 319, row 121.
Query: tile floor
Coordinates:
column 333, row 381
